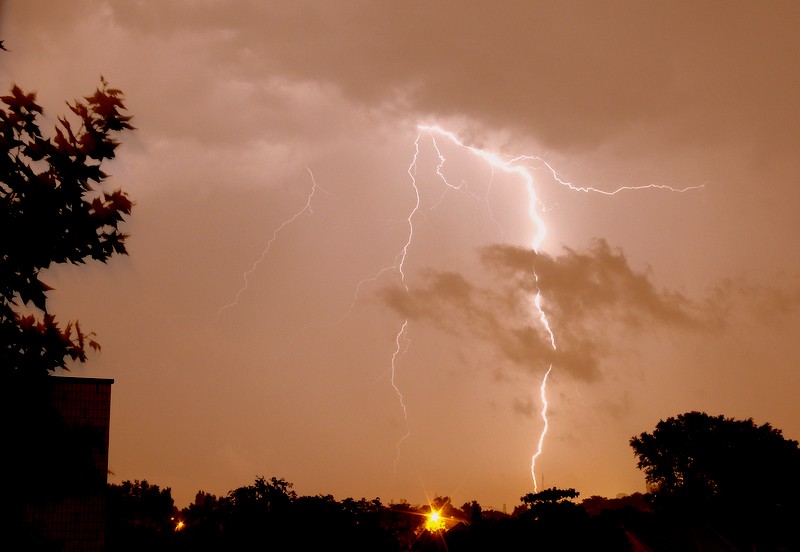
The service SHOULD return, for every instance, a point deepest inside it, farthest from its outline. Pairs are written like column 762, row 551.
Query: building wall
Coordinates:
column 85, row 402
column 76, row 520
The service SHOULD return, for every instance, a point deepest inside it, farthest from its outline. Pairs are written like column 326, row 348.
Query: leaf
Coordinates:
column 55, row 213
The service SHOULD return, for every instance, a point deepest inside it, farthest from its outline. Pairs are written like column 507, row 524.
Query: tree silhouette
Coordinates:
column 701, row 459
column 741, row 477
column 140, row 515
column 551, row 504
column 269, row 515
column 552, row 495
column 53, row 210
column 471, row 511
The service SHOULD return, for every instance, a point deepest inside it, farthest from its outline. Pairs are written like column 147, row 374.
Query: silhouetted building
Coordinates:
column 70, row 510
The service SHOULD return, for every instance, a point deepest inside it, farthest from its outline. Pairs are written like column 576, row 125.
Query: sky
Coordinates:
column 321, row 289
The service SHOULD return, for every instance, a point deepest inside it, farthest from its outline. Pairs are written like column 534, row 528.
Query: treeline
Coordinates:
column 268, row 514
column 714, row 483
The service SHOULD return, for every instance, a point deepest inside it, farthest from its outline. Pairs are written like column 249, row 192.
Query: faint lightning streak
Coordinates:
column 590, row 189
column 400, row 258
column 412, row 168
column 399, row 266
column 278, row 230
column 489, row 207
column 397, row 349
column 357, row 292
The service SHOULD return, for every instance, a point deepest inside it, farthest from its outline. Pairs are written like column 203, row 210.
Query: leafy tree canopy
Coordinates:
column 711, row 463
column 550, row 496
column 53, row 210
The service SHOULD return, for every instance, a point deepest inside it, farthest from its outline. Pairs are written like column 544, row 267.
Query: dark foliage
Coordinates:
column 269, row 515
column 731, row 477
column 696, row 465
column 550, row 496
column 472, row 512
column 140, row 516
column 548, row 521
column 53, row 210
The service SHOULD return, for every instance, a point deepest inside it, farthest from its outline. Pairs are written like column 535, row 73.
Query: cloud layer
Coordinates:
column 592, row 298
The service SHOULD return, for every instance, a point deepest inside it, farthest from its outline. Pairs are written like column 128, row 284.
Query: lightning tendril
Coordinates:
column 397, row 341
column 246, row 275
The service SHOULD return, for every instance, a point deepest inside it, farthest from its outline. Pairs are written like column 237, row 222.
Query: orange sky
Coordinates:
column 659, row 302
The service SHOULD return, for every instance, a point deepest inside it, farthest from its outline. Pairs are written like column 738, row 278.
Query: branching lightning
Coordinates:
column 516, row 166
column 246, row 275
column 507, row 166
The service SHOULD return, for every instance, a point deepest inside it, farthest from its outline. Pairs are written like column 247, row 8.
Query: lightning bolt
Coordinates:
column 537, row 302
column 516, row 166
column 508, row 166
column 545, row 426
column 246, row 275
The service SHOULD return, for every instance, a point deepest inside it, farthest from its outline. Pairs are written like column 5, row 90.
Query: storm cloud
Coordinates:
column 587, row 295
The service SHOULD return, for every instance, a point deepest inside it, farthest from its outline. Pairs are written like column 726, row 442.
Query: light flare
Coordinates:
column 435, row 522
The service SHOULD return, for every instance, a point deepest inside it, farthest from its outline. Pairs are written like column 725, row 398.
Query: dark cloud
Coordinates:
column 590, row 283
column 594, row 301
column 572, row 74
column 587, row 295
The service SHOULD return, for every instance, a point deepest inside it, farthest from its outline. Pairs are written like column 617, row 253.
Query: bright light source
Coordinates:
column 435, row 522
